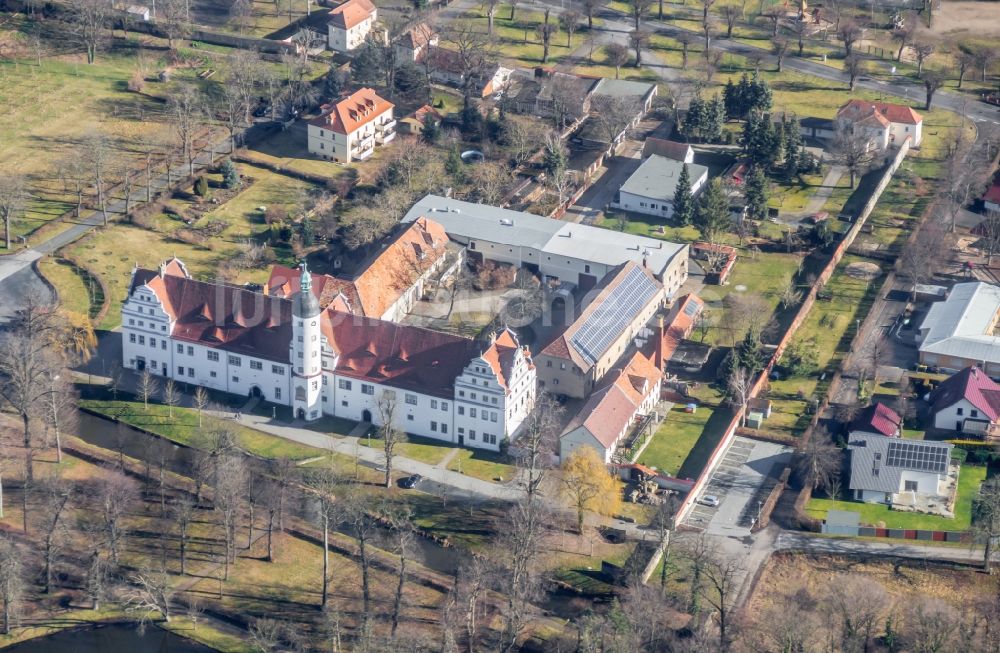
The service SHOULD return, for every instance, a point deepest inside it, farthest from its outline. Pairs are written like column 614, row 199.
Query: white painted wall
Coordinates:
column 341, row 40
column 951, row 417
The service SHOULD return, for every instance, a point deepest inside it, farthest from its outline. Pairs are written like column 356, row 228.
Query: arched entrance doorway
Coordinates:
column 255, row 391
column 366, row 415
column 300, row 413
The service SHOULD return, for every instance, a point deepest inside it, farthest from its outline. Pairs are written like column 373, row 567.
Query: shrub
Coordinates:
column 230, row 175
column 275, row 214
column 201, row 186
column 136, row 82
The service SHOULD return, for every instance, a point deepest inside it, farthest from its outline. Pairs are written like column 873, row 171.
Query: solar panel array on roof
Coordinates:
column 690, row 309
column 920, row 457
column 615, row 313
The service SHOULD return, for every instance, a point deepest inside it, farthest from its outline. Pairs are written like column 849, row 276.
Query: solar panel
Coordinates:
column 690, row 309
column 616, row 312
column 918, row 457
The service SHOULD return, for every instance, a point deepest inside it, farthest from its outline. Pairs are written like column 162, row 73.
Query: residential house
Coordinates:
column 447, row 67
column 882, row 123
column 613, row 314
column 674, row 329
column 967, row 402
column 884, row 468
column 321, row 361
column 991, row 200
column 963, row 330
column 415, row 43
column 415, row 122
column 547, row 93
column 559, row 251
column 391, row 282
column 651, row 188
column 614, row 410
column 877, row 419
column 668, row 149
column 349, row 129
column 349, row 24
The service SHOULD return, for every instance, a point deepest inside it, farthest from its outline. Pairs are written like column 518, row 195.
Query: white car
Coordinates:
column 709, row 500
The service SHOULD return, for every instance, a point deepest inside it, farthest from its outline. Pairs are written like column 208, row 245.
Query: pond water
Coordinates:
column 109, row 638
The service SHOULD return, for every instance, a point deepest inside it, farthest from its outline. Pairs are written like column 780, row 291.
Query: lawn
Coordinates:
column 681, row 445
column 424, row 450
column 481, row 464
column 519, row 42
column 112, row 252
column 78, row 292
column 183, row 428
column 969, row 480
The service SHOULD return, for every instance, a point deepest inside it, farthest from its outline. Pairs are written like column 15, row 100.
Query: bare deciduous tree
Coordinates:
column 740, row 384
column 325, row 484
column 114, row 495
column 88, row 25
column 171, row 397
column 819, row 460
column 12, row 582
column 200, row 402
column 852, row 150
column 183, row 513
column 55, row 495
column 617, row 56
column 924, row 255
column 388, row 432
column 151, row 594
column 185, row 110
column 13, row 198
column 230, row 483
column 849, row 33
column 147, row 387
column 779, row 47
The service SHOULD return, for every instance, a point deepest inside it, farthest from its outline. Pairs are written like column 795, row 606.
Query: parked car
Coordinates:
column 709, row 500
column 410, row 482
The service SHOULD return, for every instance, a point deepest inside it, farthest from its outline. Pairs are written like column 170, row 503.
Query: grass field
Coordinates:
column 969, row 480
column 417, row 448
column 112, row 252
column 183, row 428
column 484, row 465
column 518, row 40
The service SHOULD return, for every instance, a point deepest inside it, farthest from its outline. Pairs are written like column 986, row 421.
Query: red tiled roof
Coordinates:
column 414, row 251
column 974, row 386
column 353, row 112
column 878, row 418
column 226, row 317
column 613, row 406
column 883, row 112
column 417, row 36
column 677, row 326
column 406, row 357
column 993, row 194
column 426, row 110
column 351, row 13
column 501, row 354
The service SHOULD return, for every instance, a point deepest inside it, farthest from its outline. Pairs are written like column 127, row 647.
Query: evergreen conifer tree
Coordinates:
column 683, row 202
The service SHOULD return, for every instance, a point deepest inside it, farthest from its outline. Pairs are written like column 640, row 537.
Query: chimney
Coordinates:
column 658, row 356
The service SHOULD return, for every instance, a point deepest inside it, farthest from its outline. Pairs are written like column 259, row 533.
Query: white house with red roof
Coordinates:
column 967, row 402
column 322, row 361
column 349, row 129
column 884, row 124
column 612, row 411
column 877, row 419
column 349, row 24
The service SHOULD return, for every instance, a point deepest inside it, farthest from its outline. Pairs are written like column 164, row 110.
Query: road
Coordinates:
column 892, row 548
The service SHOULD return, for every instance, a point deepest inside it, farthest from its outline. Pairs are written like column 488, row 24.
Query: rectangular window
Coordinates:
column 212, row 355
column 235, row 361
column 277, row 393
column 444, row 427
column 180, row 370
column 343, row 384
column 434, row 404
column 461, row 410
column 975, row 413
column 409, row 418
column 343, row 403
column 131, row 322
column 472, row 412
column 434, row 426
column 367, row 389
column 213, row 374
column 493, row 416
column 278, row 369
column 236, row 379
column 190, row 371
column 131, row 337
column 256, row 365
column 461, row 393
column 411, row 399
column 152, row 364
column 190, row 351
column 472, row 434
column 461, row 430
column 180, row 349
column 957, row 411
column 163, row 345
column 444, row 405
column 142, row 340
column 909, row 486
column 152, row 343
column 472, row 395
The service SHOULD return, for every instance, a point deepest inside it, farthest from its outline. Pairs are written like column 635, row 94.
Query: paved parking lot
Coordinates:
column 743, row 479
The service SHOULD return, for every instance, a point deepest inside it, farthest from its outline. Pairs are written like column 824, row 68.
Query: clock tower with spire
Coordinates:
column 306, row 351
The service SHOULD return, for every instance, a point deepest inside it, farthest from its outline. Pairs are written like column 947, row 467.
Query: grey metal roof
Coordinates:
column 547, row 235
column 623, row 88
column 878, row 462
column 492, row 223
column 657, row 177
column 961, row 325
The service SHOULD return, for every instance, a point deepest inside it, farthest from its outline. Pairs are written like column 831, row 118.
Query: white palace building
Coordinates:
column 326, row 361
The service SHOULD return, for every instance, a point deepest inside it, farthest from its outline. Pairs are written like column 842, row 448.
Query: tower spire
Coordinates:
column 305, row 282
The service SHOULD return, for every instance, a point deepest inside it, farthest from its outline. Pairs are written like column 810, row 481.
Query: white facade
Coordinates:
column 898, row 132
column 909, row 481
column 346, row 40
column 961, row 416
column 481, row 412
column 654, row 206
column 357, row 145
